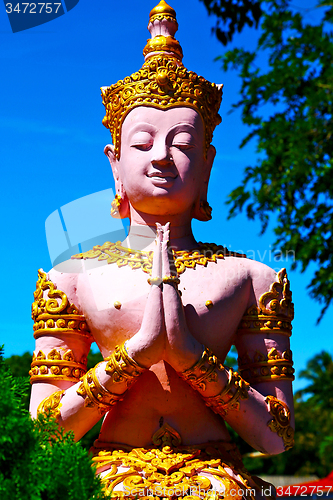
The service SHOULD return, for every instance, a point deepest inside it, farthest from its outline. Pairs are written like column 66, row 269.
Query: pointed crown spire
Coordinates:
column 162, row 82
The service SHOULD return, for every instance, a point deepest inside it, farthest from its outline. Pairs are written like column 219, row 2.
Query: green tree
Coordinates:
column 286, row 101
column 37, row 459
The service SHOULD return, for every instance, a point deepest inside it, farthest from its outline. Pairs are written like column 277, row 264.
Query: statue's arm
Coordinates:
column 265, row 361
column 258, row 402
column 60, row 384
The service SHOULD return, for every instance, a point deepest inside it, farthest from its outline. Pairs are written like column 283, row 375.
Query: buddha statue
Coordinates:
column 164, row 309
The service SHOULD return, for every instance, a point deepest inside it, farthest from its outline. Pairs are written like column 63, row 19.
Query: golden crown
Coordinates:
column 162, row 82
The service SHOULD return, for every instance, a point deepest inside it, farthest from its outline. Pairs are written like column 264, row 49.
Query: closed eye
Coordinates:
column 184, row 147
column 142, row 147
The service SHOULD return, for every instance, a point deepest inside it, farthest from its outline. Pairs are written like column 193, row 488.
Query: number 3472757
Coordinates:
column 32, row 8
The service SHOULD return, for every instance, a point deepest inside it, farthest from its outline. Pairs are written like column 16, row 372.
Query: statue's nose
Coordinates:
column 161, row 154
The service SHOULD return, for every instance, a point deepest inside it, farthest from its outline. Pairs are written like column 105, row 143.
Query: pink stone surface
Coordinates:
column 162, row 175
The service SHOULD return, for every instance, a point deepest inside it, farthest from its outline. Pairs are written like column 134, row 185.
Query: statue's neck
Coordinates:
column 142, row 231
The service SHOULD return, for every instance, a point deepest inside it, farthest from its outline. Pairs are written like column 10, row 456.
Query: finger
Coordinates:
column 157, row 259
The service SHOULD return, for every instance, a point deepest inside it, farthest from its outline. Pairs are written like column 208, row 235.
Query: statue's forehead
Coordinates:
column 163, row 118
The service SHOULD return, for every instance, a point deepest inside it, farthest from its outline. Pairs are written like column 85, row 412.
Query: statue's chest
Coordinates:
column 114, row 299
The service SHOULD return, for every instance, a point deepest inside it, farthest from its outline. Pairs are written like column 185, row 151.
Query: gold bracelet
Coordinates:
column 171, row 280
column 95, row 394
column 217, row 403
column 203, row 371
column 281, row 421
column 122, row 368
column 155, row 281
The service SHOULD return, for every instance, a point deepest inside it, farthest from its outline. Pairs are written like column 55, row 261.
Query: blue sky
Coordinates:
column 52, row 141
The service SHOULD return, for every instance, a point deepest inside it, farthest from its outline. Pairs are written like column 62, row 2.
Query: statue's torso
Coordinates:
column 160, row 395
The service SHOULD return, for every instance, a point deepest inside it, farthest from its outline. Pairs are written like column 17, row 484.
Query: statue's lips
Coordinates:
column 162, row 177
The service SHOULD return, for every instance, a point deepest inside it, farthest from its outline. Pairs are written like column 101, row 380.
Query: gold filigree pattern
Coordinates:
column 57, row 365
column 162, row 82
column 281, row 421
column 203, row 371
column 96, row 396
column 273, row 366
column 236, row 389
column 51, row 405
column 53, row 314
column 166, row 436
column 275, row 311
column 115, row 253
column 171, row 472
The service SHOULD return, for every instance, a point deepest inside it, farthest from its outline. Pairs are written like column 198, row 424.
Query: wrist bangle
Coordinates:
column 203, row 371
column 95, row 394
column 236, row 388
column 122, row 368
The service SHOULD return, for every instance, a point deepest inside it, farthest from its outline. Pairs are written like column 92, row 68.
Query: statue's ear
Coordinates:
column 110, row 153
column 202, row 210
column 209, row 162
column 123, row 208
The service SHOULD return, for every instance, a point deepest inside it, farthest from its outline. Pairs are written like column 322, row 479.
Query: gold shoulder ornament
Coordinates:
column 275, row 310
column 281, row 421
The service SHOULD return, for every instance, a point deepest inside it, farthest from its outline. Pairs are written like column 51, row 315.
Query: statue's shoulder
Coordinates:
column 62, row 278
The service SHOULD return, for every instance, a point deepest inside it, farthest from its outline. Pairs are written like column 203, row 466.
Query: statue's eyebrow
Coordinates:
column 142, row 127
column 183, row 127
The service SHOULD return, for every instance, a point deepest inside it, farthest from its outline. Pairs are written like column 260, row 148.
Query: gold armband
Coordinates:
column 203, row 371
column 51, row 405
column 58, row 364
column 272, row 367
column 54, row 315
column 122, row 368
column 95, row 394
column 281, row 421
column 236, row 389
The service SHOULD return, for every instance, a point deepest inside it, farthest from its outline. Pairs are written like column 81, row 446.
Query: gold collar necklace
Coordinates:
column 138, row 259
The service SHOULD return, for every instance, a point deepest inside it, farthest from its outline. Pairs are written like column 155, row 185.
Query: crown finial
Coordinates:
column 162, row 8
column 162, row 27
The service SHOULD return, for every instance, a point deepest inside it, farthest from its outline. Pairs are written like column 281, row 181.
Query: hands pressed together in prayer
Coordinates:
column 164, row 334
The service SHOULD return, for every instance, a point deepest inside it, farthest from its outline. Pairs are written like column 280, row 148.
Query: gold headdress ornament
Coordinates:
column 162, row 82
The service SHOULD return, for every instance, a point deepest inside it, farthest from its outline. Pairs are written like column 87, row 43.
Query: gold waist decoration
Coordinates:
column 137, row 259
column 59, row 364
column 53, row 314
column 272, row 367
column 174, row 472
column 275, row 310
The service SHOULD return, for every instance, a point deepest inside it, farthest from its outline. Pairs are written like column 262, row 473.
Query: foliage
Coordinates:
column 38, row 460
column 286, row 101
column 233, row 15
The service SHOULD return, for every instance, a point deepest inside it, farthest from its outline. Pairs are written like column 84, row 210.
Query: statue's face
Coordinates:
column 162, row 166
